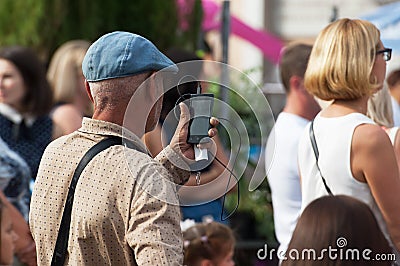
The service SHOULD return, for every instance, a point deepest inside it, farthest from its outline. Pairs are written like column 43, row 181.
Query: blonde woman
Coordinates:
column 356, row 158
column 66, row 79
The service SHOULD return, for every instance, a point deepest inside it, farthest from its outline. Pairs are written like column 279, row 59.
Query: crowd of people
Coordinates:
column 93, row 169
column 348, row 151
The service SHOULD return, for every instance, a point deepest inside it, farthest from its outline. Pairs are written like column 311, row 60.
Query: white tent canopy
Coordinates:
column 387, row 19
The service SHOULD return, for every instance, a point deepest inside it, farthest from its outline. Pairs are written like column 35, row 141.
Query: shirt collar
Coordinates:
column 15, row 117
column 100, row 127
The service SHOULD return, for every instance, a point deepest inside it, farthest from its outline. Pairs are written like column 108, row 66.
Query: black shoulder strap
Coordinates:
column 316, row 153
column 60, row 249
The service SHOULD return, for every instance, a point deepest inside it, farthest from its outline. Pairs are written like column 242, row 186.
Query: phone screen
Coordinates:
column 201, row 108
column 199, row 126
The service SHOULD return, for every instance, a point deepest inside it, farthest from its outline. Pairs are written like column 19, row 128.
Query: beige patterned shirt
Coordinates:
column 125, row 209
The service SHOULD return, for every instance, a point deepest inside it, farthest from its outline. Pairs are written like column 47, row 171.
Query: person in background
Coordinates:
column 209, row 244
column 23, row 97
column 393, row 81
column 336, row 231
column 25, row 102
column 68, row 83
column 15, row 176
column 7, row 236
column 23, row 246
column 356, row 158
column 282, row 144
column 210, row 170
column 125, row 206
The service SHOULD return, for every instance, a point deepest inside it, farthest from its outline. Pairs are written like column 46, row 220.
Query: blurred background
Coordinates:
column 255, row 30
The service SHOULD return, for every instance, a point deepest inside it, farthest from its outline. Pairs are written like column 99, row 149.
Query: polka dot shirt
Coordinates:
column 125, row 210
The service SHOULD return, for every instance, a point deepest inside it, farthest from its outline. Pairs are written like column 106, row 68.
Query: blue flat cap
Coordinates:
column 121, row 54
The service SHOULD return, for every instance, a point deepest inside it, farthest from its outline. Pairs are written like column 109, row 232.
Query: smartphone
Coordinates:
column 200, row 106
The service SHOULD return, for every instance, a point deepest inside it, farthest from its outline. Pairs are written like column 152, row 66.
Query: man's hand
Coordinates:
column 179, row 140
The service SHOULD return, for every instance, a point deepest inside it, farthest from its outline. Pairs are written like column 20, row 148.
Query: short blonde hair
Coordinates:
column 65, row 68
column 342, row 59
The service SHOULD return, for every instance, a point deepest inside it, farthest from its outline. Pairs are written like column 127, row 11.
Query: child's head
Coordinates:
column 7, row 237
column 209, row 244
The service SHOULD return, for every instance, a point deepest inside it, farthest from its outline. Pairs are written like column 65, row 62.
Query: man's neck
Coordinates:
column 108, row 118
column 118, row 118
column 300, row 108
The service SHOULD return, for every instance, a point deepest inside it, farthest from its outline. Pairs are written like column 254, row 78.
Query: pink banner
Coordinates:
column 267, row 43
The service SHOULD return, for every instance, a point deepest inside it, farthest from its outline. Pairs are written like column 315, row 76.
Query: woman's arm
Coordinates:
column 25, row 248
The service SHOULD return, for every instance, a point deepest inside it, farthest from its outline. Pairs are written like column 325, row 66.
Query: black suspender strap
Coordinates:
column 60, row 249
column 316, row 153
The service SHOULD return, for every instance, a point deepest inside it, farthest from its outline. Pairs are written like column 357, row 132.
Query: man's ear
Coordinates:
column 296, row 83
column 87, row 87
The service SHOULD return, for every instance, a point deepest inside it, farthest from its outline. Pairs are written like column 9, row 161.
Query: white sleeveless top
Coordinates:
column 333, row 137
column 392, row 132
column 283, row 175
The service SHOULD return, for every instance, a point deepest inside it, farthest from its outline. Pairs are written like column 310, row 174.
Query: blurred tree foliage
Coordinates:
column 46, row 24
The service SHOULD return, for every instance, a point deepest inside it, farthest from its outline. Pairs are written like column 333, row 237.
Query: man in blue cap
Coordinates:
column 125, row 208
